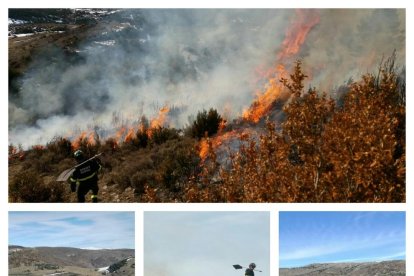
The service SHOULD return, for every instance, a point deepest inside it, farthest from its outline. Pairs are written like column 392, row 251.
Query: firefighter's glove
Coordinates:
column 73, row 187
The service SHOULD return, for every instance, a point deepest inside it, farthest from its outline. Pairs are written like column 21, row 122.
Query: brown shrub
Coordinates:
column 27, row 186
column 142, row 178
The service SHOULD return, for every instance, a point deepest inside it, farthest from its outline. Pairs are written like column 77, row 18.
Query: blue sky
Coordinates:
column 205, row 243
column 318, row 237
column 91, row 230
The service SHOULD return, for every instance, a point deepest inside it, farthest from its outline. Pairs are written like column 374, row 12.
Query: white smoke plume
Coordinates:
column 190, row 60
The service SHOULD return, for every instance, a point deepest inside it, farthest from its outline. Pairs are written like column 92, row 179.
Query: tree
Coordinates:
column 366, row 141
column 206, row 123
column 306, row 118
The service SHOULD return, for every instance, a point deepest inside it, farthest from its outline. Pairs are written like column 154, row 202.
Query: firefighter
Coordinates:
column 249, row 271
column 85, row 177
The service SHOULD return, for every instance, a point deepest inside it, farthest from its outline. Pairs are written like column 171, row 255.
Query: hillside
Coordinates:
column 40, row 32
column 72, row 261
column 385, row 268
column 104, row 81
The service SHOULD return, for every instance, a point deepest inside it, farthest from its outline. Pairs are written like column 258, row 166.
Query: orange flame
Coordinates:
column 297, row 33
column 130, row 135
column 90, row 140
column 161, row 119
column 295, row 37
column 217, row 141
column 77, row 142
column 263, row 102
column 204, row 149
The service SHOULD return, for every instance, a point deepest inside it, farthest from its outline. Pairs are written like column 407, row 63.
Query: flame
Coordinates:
column 120, row 134
column 161, row 119
column 158, row 121
column 130, row 135
column 91, row 139
column 123, row 134
column 204, row 148
column 263, row 102
column 77, row 142
column 295, row 37
column 297, row 33
column 38, row 147
column 84, row 137
column 212, row 143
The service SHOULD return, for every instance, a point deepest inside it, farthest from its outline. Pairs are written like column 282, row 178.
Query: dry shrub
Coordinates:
column 27, row 186
column 160, row 135
column 141, row 178
column 61, row 147
column 176, row 161
column 352, row 153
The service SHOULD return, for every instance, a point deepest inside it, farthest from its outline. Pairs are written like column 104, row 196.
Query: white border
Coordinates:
column 273, row 208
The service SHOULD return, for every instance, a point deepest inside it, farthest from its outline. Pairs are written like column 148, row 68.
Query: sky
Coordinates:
column 205, row 243
column 88, row 230
column 326, row 237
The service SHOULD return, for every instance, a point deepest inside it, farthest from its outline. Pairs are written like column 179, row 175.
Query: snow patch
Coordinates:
column 103, row 269
column 22, row 35
column 17, row 21
column 30, row 34
column 106, row 42
column 123, row 26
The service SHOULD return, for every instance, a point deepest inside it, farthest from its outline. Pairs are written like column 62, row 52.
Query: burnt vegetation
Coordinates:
column 322, row 151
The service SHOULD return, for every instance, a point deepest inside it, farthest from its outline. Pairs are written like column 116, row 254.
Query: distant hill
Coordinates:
column 386, row 268
column 70, row 261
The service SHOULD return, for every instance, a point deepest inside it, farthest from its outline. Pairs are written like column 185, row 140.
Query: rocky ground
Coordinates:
column 386, row 268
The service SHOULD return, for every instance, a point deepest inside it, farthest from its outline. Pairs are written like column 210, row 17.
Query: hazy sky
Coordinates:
column 90, row 230
column 318, row 237
column 205, row 243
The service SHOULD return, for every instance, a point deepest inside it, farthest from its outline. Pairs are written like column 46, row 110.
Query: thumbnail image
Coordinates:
column 199, row 243
column 342, row 243
column 71, row 243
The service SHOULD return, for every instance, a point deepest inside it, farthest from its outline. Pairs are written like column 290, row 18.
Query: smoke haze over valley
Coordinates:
column 130, row 63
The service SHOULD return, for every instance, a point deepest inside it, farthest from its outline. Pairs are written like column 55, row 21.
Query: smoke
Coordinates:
column 350, row 42
column 138, row 61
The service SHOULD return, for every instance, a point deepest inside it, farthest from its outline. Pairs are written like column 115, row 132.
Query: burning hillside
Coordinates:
column 160, row 59
column 131, row 83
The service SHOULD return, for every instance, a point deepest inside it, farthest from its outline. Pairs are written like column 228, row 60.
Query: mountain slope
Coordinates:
column 65, row 256
column 389, row 268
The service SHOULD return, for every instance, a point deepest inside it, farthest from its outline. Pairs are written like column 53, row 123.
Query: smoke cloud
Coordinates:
column 188, row 60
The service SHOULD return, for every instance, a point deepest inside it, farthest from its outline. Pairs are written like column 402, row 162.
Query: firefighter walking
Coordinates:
column 85, row 177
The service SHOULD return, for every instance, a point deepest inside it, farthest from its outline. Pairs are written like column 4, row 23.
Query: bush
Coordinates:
column 206, row 123
column 352, row 153
column 60, row 146
column 177, row 161
column 160, row 135
column 27, row 186
column 141, row 178
column 141, row 139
